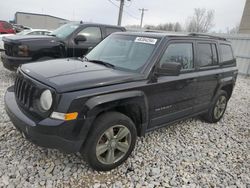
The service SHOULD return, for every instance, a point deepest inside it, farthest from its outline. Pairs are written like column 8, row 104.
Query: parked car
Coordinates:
column 19, row 28
column 6, row 28
column 34, row 32
column 70, row 40
column 24, row 32
column 128, row 85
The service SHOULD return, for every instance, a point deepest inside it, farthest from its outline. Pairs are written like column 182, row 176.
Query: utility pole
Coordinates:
column 142, row 15
column 120, row 12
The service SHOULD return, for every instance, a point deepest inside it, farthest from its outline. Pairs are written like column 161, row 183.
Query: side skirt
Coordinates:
column 175, row 121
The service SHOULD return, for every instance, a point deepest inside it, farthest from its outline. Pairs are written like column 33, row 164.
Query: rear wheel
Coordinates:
column 218, row 108
column 110, row 142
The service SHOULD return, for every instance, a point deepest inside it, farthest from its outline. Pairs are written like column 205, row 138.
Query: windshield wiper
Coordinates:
column 101, row 63
column 84, row 58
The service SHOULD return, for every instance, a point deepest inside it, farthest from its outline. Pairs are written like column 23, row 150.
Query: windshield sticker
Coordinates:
column 146, row 40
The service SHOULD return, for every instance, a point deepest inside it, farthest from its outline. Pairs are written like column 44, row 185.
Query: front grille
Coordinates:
column 24, row 92
column 8, row 49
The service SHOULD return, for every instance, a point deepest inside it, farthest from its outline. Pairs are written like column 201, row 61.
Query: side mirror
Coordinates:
column 80, row 38
column 169, row 69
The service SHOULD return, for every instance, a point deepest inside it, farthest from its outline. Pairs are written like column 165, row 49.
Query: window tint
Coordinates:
column 205, row 54
column 65, row 30
column 93, row 34
column 110, row 30
column 181, row 53
column 215, row 54
column 226, row 52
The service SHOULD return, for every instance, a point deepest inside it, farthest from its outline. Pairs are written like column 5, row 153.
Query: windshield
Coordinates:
column 65, row 30
column 123, row 51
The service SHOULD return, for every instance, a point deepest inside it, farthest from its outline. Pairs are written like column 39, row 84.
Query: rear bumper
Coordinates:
column 42, row 133
column 12, row 63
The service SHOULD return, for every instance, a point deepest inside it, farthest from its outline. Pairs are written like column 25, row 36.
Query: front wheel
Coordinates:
column 218, row 108
column 110, row 142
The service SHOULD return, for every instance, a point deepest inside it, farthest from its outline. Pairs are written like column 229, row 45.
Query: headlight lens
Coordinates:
column 46, row 100
column 23, row 50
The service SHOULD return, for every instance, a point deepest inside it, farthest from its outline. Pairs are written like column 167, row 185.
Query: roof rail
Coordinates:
column 154, row 31
column 206, row 36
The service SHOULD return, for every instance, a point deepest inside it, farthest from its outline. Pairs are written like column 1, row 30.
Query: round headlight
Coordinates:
column 46, row 100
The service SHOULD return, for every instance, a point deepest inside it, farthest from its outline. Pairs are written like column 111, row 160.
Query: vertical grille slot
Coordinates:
column 24, row 92
column 8, row 49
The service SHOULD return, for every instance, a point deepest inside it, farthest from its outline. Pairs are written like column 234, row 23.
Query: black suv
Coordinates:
column 69, row 40
column 129, row 84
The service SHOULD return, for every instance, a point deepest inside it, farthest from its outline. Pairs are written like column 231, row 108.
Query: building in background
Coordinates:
column 38, row 21
column 245, row 21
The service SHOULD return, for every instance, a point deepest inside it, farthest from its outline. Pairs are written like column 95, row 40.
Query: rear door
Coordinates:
column 209, row 73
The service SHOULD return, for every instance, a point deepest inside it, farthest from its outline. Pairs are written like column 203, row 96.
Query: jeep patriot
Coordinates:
column 128, row 85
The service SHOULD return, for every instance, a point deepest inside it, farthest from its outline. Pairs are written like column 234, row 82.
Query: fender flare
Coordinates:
column 95, row 107
column 98, row 100
column 224, row 82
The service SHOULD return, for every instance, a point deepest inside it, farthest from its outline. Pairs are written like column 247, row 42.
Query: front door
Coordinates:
column 93, row 37
column 173, row 97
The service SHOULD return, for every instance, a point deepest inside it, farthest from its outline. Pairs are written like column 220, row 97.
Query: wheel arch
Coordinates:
column 229, row 89
column 132, row 104
column 227, row 84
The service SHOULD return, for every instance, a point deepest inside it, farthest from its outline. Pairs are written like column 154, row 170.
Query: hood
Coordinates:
column 70, row 74
column 28, row 38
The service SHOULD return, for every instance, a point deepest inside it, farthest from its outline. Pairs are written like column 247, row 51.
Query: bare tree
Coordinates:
column 202, row 21
column 177, row 27
column 165, row 27
column 233, row 30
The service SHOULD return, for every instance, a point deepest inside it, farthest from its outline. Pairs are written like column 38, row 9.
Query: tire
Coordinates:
column 106, row 148
column 217, row 109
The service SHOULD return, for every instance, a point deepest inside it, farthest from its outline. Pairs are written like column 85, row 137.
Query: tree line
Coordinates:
column 202, row 21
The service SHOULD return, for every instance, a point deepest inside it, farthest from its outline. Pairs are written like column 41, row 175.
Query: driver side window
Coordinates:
column 180, row 53
column 92, row 34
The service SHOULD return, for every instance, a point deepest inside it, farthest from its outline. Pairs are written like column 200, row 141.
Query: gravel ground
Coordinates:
column 191, row 153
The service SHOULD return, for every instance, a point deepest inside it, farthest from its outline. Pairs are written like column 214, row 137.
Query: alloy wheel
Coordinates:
column 113, row 144
column 220, row 107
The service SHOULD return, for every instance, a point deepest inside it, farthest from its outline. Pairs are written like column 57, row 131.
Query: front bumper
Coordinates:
column 12, row 63
column 43, row 133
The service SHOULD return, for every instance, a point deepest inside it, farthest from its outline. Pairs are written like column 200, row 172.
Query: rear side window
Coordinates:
column 110, row 30
column 181, row 53
column 207, row 54
column 226, row 52
column 215, row 54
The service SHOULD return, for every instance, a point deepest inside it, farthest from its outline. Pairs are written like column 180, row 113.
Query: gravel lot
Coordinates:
column 191, row 153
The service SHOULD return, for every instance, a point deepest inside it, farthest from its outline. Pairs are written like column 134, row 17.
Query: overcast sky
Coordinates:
column 228, row 13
